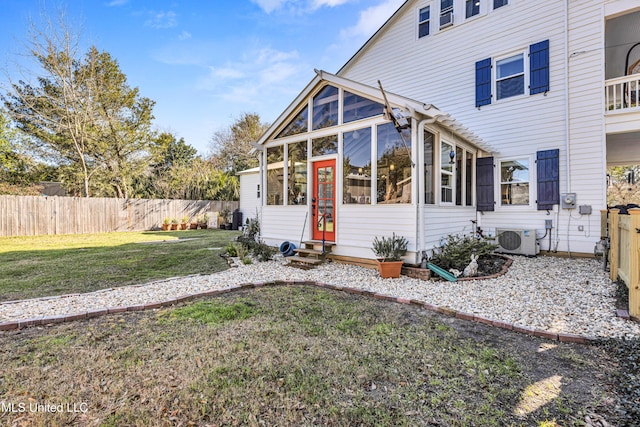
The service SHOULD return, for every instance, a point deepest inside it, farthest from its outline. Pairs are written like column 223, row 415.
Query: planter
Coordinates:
column 174, row 226
column 193, row 226
column 203, row 225
column 165, row 227
column 390, row 269
column 184, row 226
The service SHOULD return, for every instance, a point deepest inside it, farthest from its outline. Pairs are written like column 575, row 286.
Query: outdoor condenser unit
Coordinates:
column 518, row 242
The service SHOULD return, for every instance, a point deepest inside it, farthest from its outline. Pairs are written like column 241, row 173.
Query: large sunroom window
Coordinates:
column 356, row 107
column 325, row 108
column 393, row 165
column 324, row 146
column 429, row 171
column 275, row 175
column 299, row 124
column 297, row 171
column 446, row 173
column 356, row 171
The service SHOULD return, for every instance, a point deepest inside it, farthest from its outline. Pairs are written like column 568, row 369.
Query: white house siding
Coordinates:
column 440, row 69
column 250, row 202
column 440, row 222
column 283, row 223
column 358, row 225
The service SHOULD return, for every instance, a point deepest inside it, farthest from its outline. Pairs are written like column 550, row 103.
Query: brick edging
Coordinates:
column 40, row 321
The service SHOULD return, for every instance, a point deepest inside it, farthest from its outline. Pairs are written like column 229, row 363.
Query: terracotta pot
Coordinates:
column 390, row 269
column 165, row 227
column 193, row 226
column 184, row 226
column 174, row 226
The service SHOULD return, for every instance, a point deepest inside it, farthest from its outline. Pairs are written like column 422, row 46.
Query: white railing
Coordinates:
column 622, row 93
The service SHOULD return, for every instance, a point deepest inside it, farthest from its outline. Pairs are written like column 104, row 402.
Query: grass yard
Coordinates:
column 296, row 356
column 53, row 265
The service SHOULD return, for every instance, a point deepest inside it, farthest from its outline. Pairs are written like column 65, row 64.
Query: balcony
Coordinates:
column 622, row 94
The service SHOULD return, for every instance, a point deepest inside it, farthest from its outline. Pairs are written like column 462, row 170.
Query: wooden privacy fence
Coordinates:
column 35, row 215
column 624, row 253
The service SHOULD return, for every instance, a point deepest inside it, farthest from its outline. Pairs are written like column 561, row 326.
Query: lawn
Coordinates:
column 296, row 355
column 53, row 265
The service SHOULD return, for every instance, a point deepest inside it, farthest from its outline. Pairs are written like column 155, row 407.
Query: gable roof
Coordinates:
column 416, row 108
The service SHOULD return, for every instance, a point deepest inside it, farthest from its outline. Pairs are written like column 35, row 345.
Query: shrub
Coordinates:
column 457, row 249
column 390, row 248
column 263, row 252
column 230, row 249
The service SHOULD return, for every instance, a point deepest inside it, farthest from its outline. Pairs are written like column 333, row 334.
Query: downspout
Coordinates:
column 419, row 201
column 567, row 125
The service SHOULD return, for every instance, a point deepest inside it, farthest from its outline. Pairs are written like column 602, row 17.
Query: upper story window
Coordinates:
column 472, row 8
column 500, row 3
column 510, row 76
column 424, row 16
column 507, row 76
column 446, row 13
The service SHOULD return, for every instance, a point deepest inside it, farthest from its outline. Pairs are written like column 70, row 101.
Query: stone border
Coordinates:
column 41, row 321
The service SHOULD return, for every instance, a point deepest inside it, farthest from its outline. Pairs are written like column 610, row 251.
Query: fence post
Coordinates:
column 634, row 264
column 614, row 237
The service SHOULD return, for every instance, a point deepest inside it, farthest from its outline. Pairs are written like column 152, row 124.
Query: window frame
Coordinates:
column 475, row 15
column 424, row 22
column 493, row 4
column 530, row 182
column 445, row 10
column 525, row 74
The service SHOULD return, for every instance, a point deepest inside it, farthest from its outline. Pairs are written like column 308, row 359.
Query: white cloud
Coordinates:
column 371, row 19
column 297, row 6
column 260, row 76
column 162, row 20
column 184, row 35
column 117, row 3
column 270, row 5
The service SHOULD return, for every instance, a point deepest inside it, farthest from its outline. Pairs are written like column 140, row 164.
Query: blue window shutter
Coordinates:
column 548, row 171
column 539, row 67
column 484, row 184
column 483, row 82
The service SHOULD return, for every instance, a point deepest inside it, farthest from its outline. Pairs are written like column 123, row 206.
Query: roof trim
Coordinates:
column 416, row 108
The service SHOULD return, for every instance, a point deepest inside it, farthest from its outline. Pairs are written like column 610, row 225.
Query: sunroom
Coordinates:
column 336, row 168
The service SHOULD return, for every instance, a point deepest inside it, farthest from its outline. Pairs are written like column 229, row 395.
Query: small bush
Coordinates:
column 457, row 249
column 230, row 249
column 263, row 252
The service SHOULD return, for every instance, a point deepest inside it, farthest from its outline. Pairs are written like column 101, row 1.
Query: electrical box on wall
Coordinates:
column 568, row 200
column 584, row 209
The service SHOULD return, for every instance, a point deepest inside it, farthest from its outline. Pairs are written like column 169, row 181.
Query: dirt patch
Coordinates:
column 299, row 355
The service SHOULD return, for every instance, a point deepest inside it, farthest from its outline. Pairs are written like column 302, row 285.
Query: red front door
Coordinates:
column 324, row 200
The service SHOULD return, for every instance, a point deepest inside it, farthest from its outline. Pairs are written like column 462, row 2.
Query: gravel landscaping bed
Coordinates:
column 571, row 296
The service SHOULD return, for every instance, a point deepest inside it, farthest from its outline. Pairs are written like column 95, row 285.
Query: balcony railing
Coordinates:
column 622, row 93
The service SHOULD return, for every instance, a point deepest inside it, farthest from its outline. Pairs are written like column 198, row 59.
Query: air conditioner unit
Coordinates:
column 519, row 242
column 446, row 18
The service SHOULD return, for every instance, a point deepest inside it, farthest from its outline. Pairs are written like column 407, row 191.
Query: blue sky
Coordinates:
column 207, row 62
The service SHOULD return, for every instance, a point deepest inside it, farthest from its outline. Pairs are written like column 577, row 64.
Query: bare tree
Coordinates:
column 57, row 108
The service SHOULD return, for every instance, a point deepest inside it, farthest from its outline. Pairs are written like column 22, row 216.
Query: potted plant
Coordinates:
column 389, row 252
column 166, row 224
column 202, row 222
column 194, row 224
column 174, row 224
column 223, row 219
column 184, row 223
